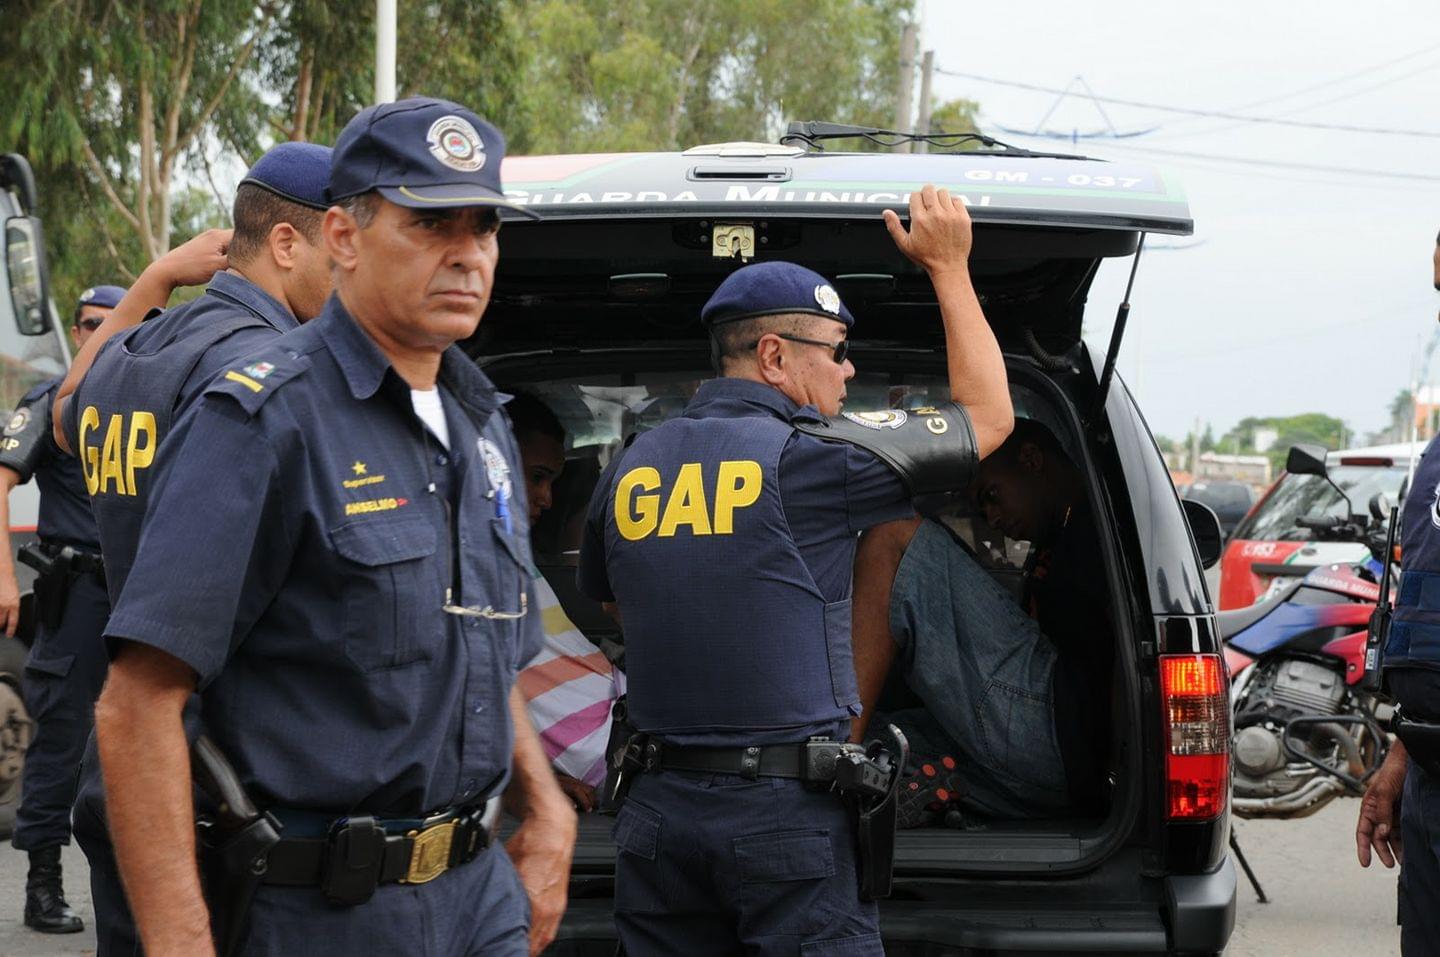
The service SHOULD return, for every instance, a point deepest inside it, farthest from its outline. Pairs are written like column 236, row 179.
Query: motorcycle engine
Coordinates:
column 1279, row 691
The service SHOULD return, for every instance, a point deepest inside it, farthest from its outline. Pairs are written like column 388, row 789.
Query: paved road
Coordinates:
column 1323, row 903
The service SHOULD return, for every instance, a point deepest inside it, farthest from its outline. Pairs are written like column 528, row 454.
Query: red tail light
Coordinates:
column 1197, row 736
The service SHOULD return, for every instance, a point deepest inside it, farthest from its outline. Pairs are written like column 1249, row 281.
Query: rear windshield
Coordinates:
column 1310, row 496
column 1230, row 496
column 598, row 410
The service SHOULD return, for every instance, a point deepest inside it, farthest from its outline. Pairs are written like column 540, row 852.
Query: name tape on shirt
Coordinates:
column 645, row 505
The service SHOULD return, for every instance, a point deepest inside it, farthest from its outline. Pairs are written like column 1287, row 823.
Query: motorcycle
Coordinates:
column 1305, row 729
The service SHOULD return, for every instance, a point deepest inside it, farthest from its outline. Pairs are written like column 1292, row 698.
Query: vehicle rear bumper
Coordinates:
column 1201, row 909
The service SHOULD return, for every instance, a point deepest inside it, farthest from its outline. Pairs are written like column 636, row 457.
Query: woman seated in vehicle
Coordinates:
column 1015, row 695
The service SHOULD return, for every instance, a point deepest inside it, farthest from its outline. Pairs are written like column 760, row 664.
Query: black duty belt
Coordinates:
column 812, row 761
column 86, row 562
column 52, row 557
column 368, row 849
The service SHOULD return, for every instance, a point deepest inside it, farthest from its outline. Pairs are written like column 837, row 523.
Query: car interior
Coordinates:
column 599, row 410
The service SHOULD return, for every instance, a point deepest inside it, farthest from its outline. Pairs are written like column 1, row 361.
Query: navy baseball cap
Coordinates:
column 106, row 297
column 774, row 288
column 422, row 153
column 298, row 172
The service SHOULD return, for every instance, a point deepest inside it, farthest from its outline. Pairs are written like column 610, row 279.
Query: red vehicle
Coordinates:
column 1269, row 550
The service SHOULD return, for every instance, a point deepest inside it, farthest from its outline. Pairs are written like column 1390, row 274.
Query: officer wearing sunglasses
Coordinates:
column 726, row 539
column 66, row 665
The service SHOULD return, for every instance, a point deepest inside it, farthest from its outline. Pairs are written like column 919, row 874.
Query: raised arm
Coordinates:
column 189, row 264
column 939, row 241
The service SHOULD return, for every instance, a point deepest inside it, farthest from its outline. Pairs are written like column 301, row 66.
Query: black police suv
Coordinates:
column 596, row 313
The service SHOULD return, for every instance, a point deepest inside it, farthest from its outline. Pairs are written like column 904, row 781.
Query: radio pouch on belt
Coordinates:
column 234, row 844
column 875, row 801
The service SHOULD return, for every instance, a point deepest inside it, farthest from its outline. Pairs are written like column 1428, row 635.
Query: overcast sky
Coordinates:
column 1302, row 290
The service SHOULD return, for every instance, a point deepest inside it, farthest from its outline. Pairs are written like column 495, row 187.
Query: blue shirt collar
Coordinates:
column 728, row 396
column 241, row 290
column 364, row 365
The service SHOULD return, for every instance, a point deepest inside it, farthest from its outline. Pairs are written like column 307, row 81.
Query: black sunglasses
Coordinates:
column 89, row 323
column 842, row 348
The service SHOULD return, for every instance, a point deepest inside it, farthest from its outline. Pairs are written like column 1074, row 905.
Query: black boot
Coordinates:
column 45, row 907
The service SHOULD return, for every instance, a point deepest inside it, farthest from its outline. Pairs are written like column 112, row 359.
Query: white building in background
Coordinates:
column 1250, row 469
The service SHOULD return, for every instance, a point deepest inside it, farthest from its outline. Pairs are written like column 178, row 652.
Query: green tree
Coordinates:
column 955, row 116
column 134, row 111
column 319, row 61
column 125, row 108
column 667, row 74
column 130, row 92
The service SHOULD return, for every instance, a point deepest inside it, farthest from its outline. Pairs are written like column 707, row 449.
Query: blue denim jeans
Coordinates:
column 984, row 672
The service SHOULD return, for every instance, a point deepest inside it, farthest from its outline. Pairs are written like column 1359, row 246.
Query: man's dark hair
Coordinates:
column 1032, row 431
column 258, row 211
column 529, row 415
column 730, row 340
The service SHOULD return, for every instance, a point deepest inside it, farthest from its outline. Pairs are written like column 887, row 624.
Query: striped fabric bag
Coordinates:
column 569, row 688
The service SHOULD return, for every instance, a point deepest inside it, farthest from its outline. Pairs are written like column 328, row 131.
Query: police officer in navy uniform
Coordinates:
column 67, row 660
column 726, row 539
column 1401, row 806
column 352, row 598
column 130, row 382
column 278, row 276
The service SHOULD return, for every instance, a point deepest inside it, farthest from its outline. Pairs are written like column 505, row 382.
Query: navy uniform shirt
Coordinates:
column 157, row 368
column 305, row 587
column 830, row 491
column 28, row 447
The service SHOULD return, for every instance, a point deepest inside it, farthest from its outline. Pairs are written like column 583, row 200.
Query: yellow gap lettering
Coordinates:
column 736, row 485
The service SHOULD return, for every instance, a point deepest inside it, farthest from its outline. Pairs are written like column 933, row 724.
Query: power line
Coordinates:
column 1213, row 114
column 1333, row 81
column 1281, row 164
column 1291, row 111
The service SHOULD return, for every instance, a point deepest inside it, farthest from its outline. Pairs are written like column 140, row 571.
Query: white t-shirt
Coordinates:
column 432, row 413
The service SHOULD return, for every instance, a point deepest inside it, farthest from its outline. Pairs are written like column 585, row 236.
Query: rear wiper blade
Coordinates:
column 813, row 133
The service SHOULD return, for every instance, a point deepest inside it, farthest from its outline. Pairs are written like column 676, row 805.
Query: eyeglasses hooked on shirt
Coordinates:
column 471, row 611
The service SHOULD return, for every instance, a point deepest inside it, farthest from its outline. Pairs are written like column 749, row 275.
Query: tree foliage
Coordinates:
column 1314, row 428
column 128, row 91
column 134, row 112
column 668, row 74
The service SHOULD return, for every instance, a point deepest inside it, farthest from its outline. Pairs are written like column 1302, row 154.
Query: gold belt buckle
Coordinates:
column 430, row 851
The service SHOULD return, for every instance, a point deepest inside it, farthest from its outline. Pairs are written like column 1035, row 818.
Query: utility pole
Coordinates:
column 1195, row 449
column 922, row 123
column 385, row 51
column 903, row 102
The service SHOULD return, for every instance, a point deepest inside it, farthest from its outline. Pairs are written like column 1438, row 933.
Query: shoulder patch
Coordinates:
column 252, row 380
column 39, row 390
column 931, row 450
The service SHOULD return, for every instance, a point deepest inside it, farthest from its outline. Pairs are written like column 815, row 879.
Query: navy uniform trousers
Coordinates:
column 1420, row 870
column 786, row 855
column 62, row 678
